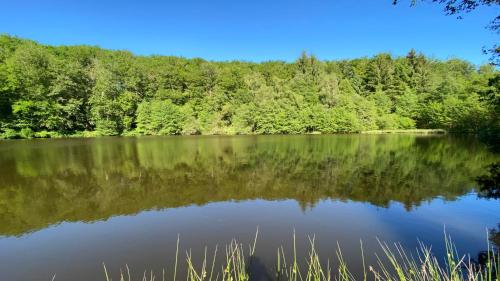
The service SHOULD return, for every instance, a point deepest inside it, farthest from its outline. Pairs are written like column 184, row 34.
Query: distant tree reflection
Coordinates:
column 489, row 187
column 494, row 235
column 489, row 183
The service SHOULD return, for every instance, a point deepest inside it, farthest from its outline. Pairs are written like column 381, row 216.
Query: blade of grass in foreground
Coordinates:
column 395, row 264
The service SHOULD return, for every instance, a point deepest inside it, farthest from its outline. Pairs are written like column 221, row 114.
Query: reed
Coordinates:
column 394, row 264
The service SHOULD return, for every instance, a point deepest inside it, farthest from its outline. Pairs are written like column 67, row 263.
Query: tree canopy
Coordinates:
column 48, row 91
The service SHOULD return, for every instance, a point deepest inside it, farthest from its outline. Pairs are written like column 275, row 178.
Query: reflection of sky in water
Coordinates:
column 147, row 240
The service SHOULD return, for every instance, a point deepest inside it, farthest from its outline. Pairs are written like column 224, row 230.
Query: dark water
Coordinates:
column 66, row 206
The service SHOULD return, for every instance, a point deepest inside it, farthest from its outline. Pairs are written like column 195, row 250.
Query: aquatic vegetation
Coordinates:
column 396, row 263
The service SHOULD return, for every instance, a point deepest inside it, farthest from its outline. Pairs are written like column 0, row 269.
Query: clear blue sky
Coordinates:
column 252, row 30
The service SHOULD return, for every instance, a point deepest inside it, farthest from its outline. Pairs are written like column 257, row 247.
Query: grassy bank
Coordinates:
column 394, row 264
column 91, row 134
column 409, row 131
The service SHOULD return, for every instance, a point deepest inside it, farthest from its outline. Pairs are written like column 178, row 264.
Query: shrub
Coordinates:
column 26, row 133
column 10, row 134
column 47, row 134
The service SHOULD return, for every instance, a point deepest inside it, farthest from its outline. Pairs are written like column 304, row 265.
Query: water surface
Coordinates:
column 68, row 205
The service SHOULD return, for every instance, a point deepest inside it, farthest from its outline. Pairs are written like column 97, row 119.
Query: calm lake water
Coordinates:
column 68, row 205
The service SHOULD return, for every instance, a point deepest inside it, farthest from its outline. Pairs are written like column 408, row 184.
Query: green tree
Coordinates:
column 159, row 117
column 52, row 91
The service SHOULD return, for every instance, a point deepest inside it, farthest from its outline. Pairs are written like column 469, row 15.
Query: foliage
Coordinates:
column 395, row 264
column 159, row 117
column 62, row 91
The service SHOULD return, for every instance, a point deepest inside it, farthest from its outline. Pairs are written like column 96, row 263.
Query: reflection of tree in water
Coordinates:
column 490, row 256
column 489, row 184
column 494, row 235
column 43, row 183
column 258, row 270
column 489, row 187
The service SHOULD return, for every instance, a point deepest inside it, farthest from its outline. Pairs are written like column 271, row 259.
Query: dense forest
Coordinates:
column 48, row 91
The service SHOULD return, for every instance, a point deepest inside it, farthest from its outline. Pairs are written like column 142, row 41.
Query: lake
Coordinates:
column 68, row 205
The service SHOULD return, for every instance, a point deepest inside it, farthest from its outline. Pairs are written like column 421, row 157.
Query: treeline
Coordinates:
column 50, row 91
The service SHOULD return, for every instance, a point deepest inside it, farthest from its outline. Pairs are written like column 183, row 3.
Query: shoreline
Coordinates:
column 408, row 131
column 131, row 134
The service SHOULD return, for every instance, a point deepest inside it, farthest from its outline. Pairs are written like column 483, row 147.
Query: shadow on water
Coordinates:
column 258, row 270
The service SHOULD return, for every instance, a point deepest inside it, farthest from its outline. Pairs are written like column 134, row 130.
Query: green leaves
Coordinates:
column 90, row 91
column 159, row 117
